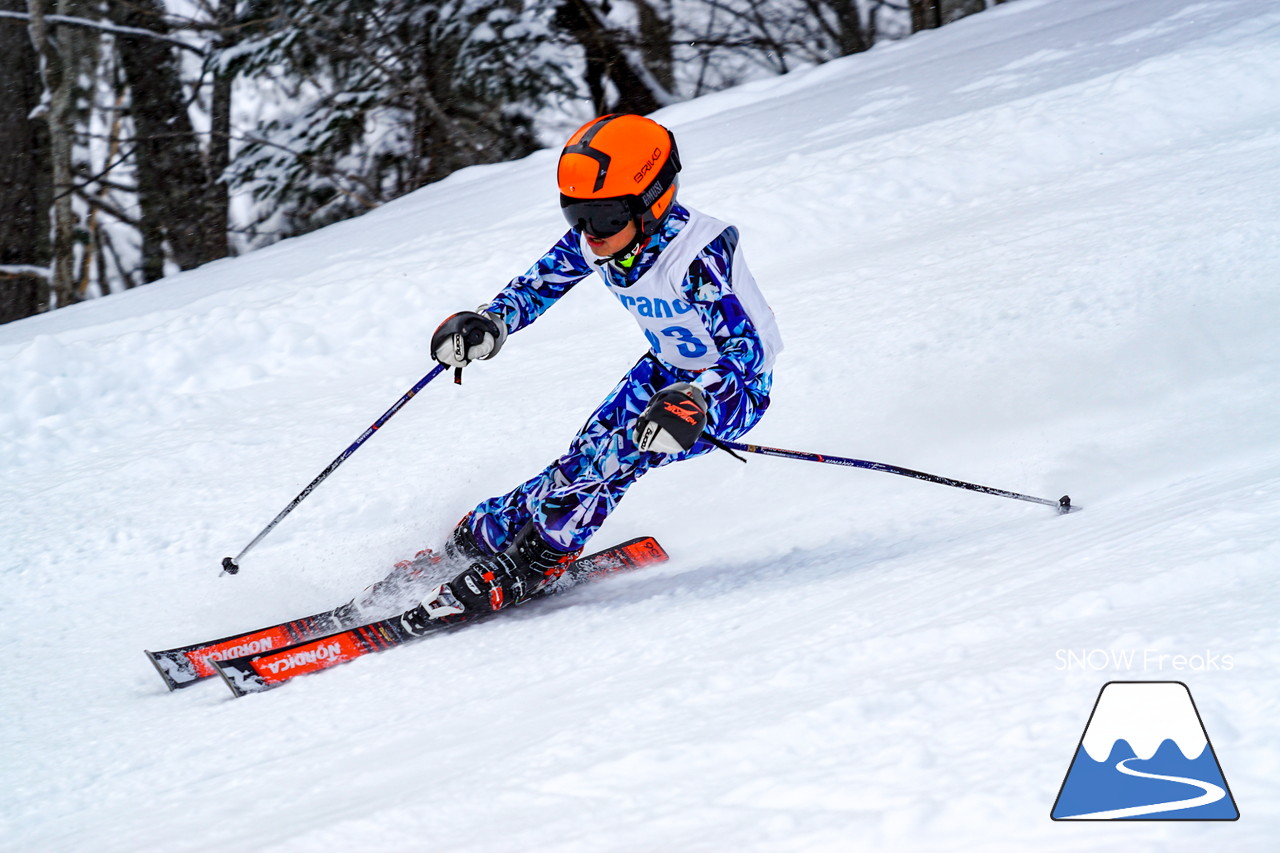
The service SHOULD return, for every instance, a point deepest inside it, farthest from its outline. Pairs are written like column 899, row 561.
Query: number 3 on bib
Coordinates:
column 686, row 344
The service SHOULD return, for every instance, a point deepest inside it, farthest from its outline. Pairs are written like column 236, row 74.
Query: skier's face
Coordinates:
column 603, row 246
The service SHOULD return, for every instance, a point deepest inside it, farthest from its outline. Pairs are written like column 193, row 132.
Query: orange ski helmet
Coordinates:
column 618, row 169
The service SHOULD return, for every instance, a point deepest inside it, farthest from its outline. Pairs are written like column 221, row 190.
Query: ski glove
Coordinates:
column 673, row 420
column 468, row 336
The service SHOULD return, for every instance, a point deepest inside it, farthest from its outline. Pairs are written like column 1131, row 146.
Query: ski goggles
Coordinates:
column 599, row 217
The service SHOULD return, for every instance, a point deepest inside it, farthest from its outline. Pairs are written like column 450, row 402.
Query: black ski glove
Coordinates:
column 674, row 419
column 468, row 336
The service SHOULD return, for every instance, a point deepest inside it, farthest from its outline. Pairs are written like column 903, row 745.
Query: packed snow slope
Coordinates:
column 1035, row 249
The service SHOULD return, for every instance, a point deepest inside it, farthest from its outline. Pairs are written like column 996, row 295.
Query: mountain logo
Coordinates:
column 1144, row 755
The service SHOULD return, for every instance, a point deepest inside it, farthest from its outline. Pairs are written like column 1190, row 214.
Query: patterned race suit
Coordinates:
column 720, row 336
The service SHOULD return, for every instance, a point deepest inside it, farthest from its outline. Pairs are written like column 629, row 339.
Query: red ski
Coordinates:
column 188, row 665
column 257, row 671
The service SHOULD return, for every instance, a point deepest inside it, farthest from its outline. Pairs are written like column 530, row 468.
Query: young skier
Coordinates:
column 712, row 344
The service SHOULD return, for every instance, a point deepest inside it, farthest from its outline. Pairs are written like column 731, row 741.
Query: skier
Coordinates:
column 712, row 344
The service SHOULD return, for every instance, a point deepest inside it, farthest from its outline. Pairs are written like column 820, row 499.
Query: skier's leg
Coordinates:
column 609, row 462
column 494, row 522
column 569, row 501
column 522, row 558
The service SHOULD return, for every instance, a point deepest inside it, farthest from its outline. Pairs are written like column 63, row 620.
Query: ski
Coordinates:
column 184, row 666
column 187, row 665
column 258, row 671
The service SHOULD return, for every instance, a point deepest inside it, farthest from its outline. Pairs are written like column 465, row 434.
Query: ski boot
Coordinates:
column 491, row 583
column 462, row 545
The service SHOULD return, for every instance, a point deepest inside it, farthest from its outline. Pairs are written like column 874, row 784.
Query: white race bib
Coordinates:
column 673, row 327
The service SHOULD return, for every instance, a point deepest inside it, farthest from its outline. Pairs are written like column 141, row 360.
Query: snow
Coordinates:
column 1033, row 249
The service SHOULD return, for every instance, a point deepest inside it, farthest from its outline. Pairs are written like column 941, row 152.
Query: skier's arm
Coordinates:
column 526, row 296
column 709, row 286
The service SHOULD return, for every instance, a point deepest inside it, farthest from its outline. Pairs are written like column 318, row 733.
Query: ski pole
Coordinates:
column 1063, row 504
column 231, row 565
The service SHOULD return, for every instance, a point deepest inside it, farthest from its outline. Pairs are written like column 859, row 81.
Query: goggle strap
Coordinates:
column 661, row 183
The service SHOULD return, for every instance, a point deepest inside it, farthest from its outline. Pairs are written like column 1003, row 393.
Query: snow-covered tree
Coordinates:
column 376, row 98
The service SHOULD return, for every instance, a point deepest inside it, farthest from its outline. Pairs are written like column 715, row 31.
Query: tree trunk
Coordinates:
column 931, row 14
column 656, row 33
column 56, row 110
column 217, row 197
column 25, row 181
column 173, row 181
column 954, row 10
column 842, row 20
column 569, row 19
column 852, row 36
column 925, row 15
column 587, row 25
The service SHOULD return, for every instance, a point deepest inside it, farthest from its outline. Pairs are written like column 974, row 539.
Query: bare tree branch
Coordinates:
column 22, row 270
column 101, row 203
column 106, row 27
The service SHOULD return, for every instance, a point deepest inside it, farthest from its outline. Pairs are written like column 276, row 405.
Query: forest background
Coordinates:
column 140, row 138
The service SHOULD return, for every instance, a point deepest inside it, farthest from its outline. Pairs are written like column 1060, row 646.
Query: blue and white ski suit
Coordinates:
column 706, row 322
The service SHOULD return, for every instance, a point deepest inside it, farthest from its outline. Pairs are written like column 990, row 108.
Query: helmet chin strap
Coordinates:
column 639, row 239
column 628, row 249
column 623, row 253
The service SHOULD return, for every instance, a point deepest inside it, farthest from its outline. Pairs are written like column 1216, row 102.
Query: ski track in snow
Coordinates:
column 1034, row 249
